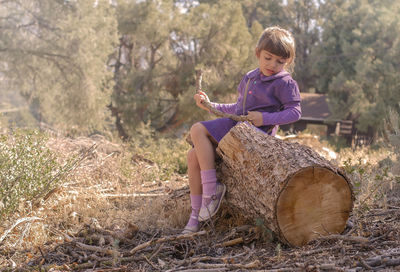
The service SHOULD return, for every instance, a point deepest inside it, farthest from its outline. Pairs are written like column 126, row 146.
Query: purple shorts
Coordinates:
column 218, row 128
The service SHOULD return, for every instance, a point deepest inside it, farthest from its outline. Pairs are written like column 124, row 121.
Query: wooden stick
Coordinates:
column 204, row 270
column 132, row 195
column 364, row 264
column 238, row 118
column 357, row 239
column 208, row 105
column 94, row 248
column 319, row 250
column 19, row 221
column 284, row 269
column 254, row 264
column 167, row 239
column 231, row 242
column 224, row 259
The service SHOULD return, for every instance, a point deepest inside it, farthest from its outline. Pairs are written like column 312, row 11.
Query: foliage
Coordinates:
column 360, row 71
column 28, row 169
column 168, row 46
column 54, row 53
column 301, row 18
column 370, row 181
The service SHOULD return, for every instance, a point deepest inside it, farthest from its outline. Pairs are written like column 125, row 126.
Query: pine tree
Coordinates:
column 168, row 45
column 55, row 53
column 359, row 60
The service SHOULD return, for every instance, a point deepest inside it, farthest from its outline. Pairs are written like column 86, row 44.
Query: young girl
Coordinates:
column 268, row 95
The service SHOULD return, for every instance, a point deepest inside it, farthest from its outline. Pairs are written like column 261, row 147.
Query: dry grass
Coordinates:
column 117, row 186
column 113, row 186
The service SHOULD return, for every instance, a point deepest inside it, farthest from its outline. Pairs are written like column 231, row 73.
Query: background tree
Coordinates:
column 168, row 45
column 360, row 63
column 219, row 42
column 302, row 17
column 54, row 53
column 141, row 96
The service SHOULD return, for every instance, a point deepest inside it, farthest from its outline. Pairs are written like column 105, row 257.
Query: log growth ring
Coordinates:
column 315, row 202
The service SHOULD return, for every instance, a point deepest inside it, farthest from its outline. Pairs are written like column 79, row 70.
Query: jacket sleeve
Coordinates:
column 227, row 108
column 232, row 107
column 289, row 96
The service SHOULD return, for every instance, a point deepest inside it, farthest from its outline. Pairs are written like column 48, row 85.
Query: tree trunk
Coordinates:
column 297, row 193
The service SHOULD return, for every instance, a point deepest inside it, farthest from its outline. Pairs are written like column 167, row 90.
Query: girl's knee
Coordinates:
column 192, row 159
column 198, row 129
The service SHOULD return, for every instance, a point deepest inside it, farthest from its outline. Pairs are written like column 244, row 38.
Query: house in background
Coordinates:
column 317, row 118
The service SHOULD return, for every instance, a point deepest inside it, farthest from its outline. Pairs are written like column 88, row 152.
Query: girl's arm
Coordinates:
column 227, row 108
column 291, row 113
column 230, row 108
column 289, row 96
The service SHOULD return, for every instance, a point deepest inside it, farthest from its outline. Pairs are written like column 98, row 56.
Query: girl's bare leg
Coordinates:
column 203, row 146
column 212, row 191
column 200, row 158
column 195, row 192
column 194, row 173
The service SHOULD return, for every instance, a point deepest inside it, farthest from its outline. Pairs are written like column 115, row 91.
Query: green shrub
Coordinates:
column 28, row 169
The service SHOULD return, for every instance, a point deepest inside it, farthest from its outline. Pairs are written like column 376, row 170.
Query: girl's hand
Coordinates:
column 200, row 96
column 256, row 118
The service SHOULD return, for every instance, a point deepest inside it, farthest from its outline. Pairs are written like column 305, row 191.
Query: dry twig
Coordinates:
column 167, row 239
column 19, row 221
column 356, row 239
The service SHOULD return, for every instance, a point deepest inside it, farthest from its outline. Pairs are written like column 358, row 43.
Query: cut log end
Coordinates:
column 314, row 202
column 297, row 193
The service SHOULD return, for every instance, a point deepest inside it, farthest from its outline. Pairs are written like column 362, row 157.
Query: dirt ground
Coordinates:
column 114, row 214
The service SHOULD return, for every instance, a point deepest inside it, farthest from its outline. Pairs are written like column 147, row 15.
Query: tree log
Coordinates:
column 298, row 194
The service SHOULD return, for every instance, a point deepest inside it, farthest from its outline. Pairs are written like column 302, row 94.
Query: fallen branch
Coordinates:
column 167, row 239
column 231, row 242
column 285, row 269
column 106, row 262
column 382, row 236
column 252, row 265
column 364, row 264
column 225, row 259
column 94, row 248
column 204, row 270
column 357, row 239
column 319, row 250
column 132, row 195
column 19, row 221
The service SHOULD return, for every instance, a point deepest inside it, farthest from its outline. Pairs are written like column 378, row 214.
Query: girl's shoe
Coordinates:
column 191, row 228
column 214, row 202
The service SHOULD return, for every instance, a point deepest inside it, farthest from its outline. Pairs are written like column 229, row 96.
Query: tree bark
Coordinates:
column 298, row 194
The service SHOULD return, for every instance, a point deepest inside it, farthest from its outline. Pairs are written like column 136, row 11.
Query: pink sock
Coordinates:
column 195, row 202
column 209, row 182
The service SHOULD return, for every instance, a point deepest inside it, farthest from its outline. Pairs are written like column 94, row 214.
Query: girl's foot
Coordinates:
column 212, row 203
column 193, row 224
column 191, row 228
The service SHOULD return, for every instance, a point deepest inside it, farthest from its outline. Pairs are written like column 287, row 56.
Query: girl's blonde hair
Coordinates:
column 280, row 42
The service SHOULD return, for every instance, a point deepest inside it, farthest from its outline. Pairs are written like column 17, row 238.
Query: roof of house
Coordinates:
column 314, row 107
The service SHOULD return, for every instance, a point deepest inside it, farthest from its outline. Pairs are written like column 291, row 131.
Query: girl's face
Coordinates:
column 269, row 63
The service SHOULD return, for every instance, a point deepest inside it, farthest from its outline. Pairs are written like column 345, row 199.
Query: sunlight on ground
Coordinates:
column 117, row 187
